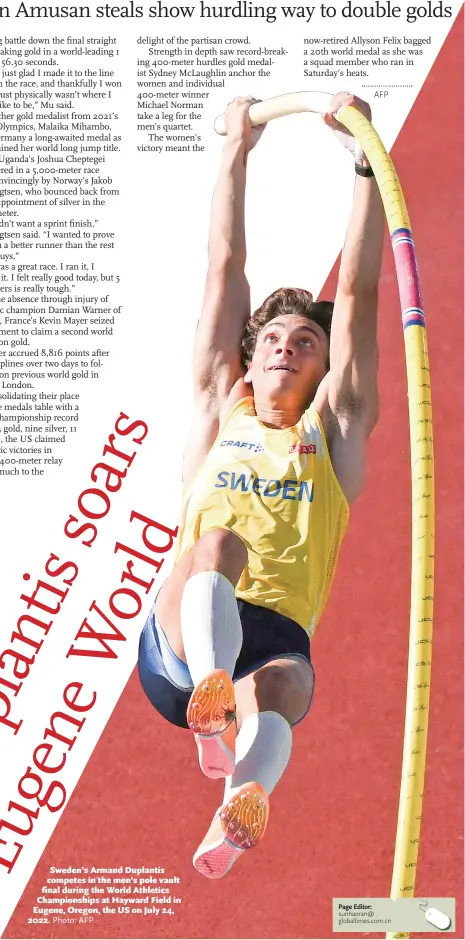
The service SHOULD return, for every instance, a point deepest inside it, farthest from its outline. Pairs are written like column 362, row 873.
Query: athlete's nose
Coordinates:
column 284, row 347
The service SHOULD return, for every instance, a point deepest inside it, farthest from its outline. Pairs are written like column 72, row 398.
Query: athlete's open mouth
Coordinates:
column 281, row 369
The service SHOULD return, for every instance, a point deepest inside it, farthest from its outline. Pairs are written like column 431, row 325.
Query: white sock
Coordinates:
column 210, row 624
column 263, row 749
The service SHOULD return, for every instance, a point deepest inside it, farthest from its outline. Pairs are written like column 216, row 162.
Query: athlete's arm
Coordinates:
column 226, row 305
column 351, row 387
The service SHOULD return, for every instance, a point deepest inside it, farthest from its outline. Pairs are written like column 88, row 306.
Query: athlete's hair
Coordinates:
column 280, row 303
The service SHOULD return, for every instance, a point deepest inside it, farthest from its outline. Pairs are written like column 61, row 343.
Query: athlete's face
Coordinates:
column 290, row 359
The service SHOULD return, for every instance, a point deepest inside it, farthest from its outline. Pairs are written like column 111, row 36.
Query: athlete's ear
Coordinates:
column 248, row 377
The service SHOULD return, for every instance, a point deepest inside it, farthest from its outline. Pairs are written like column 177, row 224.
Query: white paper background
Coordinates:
column 300, row 184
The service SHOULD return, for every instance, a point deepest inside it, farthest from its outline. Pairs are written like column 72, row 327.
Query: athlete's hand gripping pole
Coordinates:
column 263, row 111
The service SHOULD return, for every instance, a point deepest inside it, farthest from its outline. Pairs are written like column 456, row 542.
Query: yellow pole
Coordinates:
column 422, row 471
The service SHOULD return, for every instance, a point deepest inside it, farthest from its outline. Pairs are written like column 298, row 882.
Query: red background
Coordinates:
column 142, row 801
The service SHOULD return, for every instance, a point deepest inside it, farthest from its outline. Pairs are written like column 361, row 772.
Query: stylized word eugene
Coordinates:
column 287, row 489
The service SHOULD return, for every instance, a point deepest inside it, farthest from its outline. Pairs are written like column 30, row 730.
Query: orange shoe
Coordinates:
column 236, row 826
column 211, row 715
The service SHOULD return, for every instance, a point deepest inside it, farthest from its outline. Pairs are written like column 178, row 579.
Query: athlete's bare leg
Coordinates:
column 268, row 702
column 197, row 611
column 218, row 550
column 284, row 685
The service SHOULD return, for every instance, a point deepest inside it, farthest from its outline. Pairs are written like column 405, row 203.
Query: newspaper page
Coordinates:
column 109, row 159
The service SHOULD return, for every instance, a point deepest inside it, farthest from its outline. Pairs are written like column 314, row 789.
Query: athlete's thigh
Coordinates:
column 168, row 604
column 282, row 685
column 216, row 550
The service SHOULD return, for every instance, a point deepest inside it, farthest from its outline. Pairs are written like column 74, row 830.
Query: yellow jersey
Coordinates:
column 277, row 490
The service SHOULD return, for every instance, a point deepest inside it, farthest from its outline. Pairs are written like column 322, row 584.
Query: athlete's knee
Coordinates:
column 220, row 550
column 285, row 687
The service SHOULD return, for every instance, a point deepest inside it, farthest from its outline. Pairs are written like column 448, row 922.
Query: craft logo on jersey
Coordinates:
column 302, row 449
column 250, row 445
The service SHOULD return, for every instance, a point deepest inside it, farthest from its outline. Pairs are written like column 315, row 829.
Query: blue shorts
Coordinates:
column 166, row 680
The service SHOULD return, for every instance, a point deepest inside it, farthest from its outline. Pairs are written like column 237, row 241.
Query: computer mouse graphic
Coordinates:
column 437, row 918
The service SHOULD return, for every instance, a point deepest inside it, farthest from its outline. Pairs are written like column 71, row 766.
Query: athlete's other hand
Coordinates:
column 238, row 126
column 343, row 135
